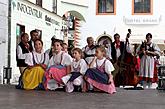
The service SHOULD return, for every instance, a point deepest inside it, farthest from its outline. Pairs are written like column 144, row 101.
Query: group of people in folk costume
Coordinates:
column 92, row 68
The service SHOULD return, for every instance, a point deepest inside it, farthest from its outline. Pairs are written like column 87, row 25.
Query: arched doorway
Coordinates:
column 73, row 21
column 102, row 38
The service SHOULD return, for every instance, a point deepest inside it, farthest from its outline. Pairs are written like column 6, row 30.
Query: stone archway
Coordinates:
column 104, row 37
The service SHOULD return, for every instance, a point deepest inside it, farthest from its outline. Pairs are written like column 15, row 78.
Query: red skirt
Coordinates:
column 56, row 73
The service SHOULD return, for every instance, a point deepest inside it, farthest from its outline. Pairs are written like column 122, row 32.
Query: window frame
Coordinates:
column 22, row 30
column 54, row 7
column 97, row 11
column 133, row 9
column 39, row 31
column 39, row 4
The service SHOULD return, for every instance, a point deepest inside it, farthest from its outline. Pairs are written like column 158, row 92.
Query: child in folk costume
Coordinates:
column 65, row 47
column 37, row 61
column 78, row 69
column 59, row 66
column 99, row 74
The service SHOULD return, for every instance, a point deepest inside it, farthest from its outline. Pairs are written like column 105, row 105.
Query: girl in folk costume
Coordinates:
column 99, row 74
column 78, row 69
column 147, row 51
column 37, row 62
column 59, row 66
column 89, row 50
column 65, row 47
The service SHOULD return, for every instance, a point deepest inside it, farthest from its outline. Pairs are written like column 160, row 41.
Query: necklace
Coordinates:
column 55, row 60
column 76, row 65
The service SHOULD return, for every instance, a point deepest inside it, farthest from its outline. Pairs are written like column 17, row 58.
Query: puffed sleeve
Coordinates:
column 94, row 65
column 67, row 60
column 83, row 67
column 156, row 49
column 109, row 67
column 20, row 54
column 29, row 59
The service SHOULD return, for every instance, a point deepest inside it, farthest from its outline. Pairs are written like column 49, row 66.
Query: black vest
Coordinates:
column 21, row 62
column 113, row 52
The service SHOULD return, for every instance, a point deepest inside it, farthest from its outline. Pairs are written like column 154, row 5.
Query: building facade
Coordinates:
column 4, row 35
column 45, row 16
column 27, row 16
column 117, row 16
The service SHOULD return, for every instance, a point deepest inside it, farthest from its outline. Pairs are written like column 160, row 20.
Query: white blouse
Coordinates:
column 81, row 64
column 39, row 58
column 60, row 58
column 19, row 53
column 108, row 65
column 129, row 49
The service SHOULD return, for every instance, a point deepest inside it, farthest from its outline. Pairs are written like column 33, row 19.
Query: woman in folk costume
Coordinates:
column 74, row 80
column 59, row 66
column 37, row 62
column 147, row 51
column 99, row 74
column 89, row 50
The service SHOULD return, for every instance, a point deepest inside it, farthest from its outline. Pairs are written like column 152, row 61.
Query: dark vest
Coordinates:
column 113, row 52
column 21, row 62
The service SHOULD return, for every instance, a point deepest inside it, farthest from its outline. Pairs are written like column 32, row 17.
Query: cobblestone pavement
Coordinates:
column 11, row 98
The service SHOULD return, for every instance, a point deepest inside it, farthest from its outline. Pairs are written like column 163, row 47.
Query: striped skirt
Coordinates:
column 100, row 80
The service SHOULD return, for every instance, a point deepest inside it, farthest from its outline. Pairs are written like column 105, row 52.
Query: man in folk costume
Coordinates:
column 89, row 50
column 23, row 48
column 147, row 50
column 117, row 49
column 34, row 35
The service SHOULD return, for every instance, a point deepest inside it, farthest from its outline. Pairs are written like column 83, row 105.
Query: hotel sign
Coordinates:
column 142, row 20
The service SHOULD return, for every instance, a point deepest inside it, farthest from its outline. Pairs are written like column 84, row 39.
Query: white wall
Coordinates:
column 97, row 24
column 79, row 2
column 64, row 6
column 47, row 4
column 69, row 5
column 3, row 35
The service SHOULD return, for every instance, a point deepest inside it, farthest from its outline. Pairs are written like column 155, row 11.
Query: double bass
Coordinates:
column 127, row 75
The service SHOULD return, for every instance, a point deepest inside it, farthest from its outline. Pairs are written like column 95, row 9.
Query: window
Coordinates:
column 106, row 7
column 19, row 30
column 39, row 33
column 54, row 6
column 142, row 6
column 39, row 2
